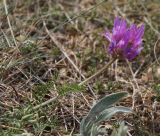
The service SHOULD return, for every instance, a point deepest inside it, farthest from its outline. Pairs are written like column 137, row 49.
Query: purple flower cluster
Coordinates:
column 125, row 42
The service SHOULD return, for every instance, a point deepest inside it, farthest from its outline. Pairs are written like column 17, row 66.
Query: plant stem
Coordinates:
column 98, row 72
column 82, row 83
column 46, row 102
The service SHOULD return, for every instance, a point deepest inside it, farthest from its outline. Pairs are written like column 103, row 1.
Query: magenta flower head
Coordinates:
column 125, row 42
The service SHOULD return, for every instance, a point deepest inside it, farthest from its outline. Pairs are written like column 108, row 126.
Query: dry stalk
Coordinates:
column 155, row 54
column 64, row 120
column 98, row 72
column 9, row 23
column 82, row 83
column 135, row 89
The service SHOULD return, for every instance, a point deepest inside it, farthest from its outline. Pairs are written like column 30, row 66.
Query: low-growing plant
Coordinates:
column 101, row 111
column 69, row 88
column 121, row 131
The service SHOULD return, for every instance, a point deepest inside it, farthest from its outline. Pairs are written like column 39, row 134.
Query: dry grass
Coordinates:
column 35, row 66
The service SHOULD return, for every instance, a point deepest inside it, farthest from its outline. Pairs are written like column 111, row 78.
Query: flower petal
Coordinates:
column 108, row 36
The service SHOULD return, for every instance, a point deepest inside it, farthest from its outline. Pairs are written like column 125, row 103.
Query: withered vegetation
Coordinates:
column 47, row 47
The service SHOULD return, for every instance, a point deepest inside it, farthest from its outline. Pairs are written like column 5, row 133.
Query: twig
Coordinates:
column 9, row 23
column 5, row 36
column 151, row 26
column 66, row 55
column 135, row 89
column 98, row 72
column 82, row 83
column 73, row 112
column 134, row 79
column 8, row 127
column 5, row 105
column 64, row 120
column 79, row 15
column 155, row 55
column 46, row 102
column 138, row 69
column 115, row 70
column 154, row 105
column 71, row 62
column 75, row 117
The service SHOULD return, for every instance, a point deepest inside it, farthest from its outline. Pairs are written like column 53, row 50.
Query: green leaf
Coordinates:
column 82, row 127
column 102, row 105
column 100, row 109
column 94, row 130
column 106, row 102
column 108, row 113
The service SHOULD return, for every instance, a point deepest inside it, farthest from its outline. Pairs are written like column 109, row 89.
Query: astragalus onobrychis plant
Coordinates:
column 101, row 111
column 125, row 44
